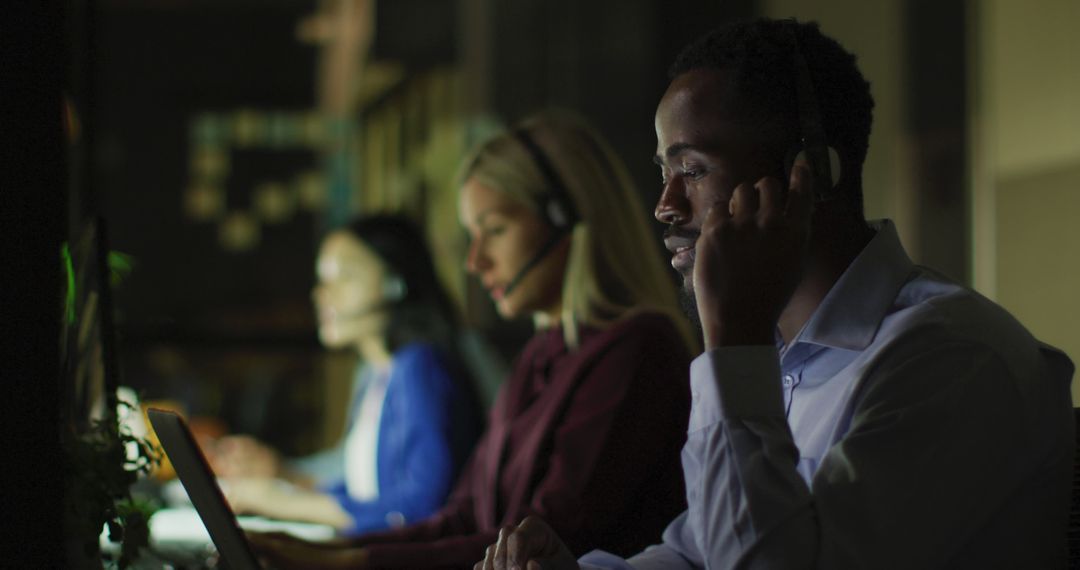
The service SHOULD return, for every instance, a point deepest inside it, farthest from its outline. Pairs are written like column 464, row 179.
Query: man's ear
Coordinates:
column 835, row 170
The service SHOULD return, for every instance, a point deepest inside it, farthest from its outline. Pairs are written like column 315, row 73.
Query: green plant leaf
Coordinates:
column 120, row 266
column 69, row 271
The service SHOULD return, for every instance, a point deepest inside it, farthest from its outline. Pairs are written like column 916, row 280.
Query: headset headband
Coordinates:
column 814, row 143
column 556, row 207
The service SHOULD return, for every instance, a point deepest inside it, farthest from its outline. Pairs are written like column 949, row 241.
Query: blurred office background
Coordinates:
column 223, row 137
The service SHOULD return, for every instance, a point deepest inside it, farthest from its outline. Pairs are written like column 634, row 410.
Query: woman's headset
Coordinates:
column 555, row 206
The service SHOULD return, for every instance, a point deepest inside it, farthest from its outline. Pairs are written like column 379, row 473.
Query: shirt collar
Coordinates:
column 851, row 312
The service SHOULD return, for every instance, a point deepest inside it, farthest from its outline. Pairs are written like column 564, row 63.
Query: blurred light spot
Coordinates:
column 314, row 129
column 315, row 29
column 248, row 128
column 209, row 162
column 239, row 232
column 208, row 129
column 311, row 190
column 273, row 202
column 282, row 129
column 204, row 202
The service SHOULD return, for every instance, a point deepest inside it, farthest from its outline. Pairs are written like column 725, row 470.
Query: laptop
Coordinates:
column 198, row 480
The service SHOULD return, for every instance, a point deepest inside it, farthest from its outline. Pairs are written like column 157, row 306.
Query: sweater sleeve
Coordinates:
column 454, row 519
column 441, row 537
column 415, row 460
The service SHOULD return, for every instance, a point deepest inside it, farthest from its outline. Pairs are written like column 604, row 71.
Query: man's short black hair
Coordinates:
column 759, row 54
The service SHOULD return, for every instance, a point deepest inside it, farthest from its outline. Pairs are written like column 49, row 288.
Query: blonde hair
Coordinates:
column 613, row 269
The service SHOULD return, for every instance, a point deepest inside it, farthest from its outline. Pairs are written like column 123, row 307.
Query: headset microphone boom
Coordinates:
column 556, row 207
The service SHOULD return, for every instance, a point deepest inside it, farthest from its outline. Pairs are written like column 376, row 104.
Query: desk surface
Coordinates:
column 178, row 535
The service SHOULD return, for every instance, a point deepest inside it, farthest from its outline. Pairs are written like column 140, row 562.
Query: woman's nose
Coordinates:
column 475, row 259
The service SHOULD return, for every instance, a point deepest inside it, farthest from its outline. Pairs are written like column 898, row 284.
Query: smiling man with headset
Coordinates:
column 852, row 409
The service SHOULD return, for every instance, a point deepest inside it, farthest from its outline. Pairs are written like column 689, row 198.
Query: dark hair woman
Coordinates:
column 413, row 416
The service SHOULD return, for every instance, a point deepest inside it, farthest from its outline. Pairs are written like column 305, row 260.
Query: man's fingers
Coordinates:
column 499, row 557
column 488, row 563
column 770, row 199
column 744, row 202
column 800, row 200
column 718, row 213
column 531, row 539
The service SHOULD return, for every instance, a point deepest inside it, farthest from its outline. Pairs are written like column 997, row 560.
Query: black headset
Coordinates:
column 823, row 159
column 555, row 206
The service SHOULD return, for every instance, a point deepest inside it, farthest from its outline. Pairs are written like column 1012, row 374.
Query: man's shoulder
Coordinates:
column 931, row 311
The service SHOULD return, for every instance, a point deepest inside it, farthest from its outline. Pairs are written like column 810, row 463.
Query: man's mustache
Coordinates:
column 680, row 232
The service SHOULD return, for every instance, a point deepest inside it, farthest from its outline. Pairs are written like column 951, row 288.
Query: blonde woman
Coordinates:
column 588, row 428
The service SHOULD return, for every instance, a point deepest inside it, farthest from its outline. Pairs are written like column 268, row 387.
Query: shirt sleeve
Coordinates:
column 397, row 547
column 662, row 556
column 875, row 488
column 323, row 467
column 417, row 445
column 446, row 540
column 455, row 517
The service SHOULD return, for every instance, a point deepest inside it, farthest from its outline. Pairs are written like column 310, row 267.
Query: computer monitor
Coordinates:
column 89, row 373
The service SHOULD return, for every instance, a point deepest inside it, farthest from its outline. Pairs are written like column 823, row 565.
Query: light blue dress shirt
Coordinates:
column 912, row 423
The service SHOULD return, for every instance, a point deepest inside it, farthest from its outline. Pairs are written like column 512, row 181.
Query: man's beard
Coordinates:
column 686, row 292
column 689, row 302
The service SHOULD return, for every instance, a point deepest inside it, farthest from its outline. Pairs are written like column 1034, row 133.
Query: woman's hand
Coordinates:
column 243, row 456
column 285, row 552
column 279, row 499
column 250, row 496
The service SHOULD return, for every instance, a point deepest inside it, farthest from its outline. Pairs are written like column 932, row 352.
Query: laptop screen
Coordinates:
column 202, row 489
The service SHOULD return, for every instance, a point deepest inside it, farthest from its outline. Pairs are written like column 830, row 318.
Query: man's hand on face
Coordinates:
column 530, row 546
column 749, row 259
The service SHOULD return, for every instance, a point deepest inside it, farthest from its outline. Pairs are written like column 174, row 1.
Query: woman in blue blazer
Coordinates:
column 413, row 417
column 416, row 458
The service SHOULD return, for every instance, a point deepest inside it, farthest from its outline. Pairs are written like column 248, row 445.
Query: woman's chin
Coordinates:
column 507, row 310
column 331, row 338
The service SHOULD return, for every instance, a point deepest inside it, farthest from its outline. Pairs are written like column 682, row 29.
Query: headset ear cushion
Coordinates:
column 394, row 288
column 834, row 163
column 556, row 213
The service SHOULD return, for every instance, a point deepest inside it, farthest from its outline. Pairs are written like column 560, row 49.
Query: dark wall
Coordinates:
column 936, row 46
column 157, row 66
column 222, row 332
column 33, row 220
column 606, row 59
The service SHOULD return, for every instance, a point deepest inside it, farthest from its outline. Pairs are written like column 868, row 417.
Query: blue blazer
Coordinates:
column 428, row 426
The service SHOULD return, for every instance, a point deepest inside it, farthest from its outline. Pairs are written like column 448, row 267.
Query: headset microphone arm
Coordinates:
column 535, row 260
